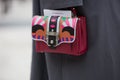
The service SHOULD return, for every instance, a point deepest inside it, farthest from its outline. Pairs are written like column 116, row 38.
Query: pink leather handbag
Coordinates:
column 60, row 35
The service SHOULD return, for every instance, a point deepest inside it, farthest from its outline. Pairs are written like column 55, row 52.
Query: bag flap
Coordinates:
column 67, row 29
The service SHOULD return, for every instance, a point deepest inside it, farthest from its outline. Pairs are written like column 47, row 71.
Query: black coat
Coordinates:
column 102, row 60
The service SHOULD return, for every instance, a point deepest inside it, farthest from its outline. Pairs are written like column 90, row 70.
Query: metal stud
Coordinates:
column 51, row 41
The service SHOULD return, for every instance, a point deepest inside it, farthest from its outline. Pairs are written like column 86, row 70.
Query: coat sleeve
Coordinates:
column 38, row 65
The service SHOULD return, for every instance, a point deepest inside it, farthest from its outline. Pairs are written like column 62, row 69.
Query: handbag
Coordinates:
column 60, row 35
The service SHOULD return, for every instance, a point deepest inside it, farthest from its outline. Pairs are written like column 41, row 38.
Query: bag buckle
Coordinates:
column 52, row 39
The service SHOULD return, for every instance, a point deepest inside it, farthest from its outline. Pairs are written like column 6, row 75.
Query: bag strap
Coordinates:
column 74, row 11
column 53, row 31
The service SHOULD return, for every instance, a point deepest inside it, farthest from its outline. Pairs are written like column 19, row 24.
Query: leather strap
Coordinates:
column 53, row 31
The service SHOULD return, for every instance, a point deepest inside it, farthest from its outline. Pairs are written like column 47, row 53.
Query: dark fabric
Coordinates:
column 102, row 60
column 55, row 4
column 38, row 66
column 38, row 69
